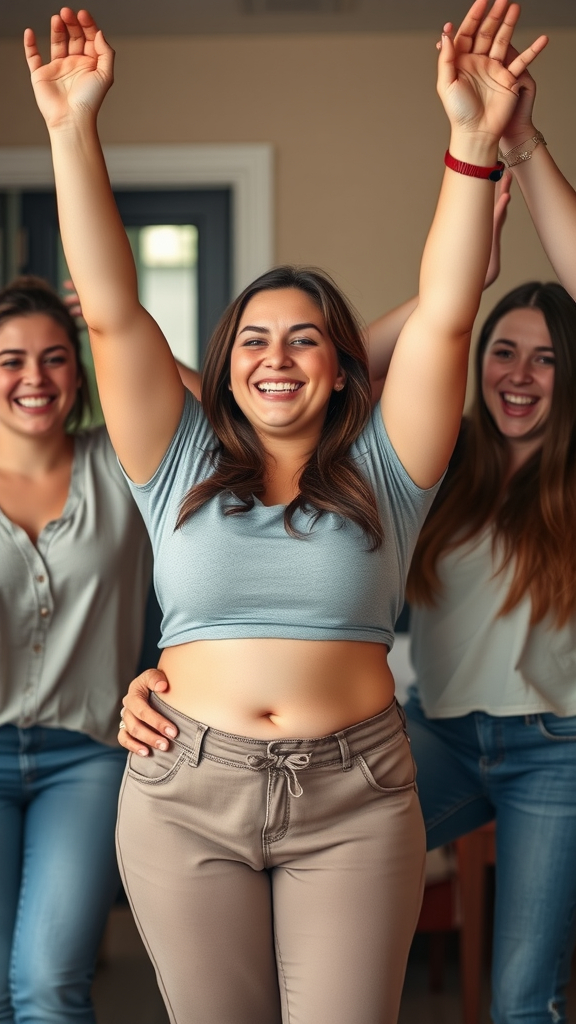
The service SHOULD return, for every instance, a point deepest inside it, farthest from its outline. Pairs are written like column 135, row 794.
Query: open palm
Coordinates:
column 479, row 89
column 80, row 70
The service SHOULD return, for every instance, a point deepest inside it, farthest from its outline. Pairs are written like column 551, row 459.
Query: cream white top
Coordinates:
column 467, row 659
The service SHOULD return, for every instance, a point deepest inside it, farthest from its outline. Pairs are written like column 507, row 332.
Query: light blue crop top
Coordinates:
column 242, row 576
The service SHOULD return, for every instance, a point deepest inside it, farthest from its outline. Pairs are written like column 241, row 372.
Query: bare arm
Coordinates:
column 190, row 378
column 140, row 388
column 382, row 334
column 424, row 392
column 549, row 197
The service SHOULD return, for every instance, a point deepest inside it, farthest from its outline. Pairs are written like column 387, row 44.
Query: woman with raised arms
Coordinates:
column 274, row 853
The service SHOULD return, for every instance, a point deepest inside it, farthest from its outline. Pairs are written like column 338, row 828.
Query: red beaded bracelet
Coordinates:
column 472, row 170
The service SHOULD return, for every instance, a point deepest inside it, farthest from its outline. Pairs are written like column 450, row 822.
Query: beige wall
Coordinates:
column 357, row 129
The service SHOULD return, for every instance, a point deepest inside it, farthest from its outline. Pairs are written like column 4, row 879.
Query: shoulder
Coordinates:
column 188, row 460
column 188, row 452
column 374, row 449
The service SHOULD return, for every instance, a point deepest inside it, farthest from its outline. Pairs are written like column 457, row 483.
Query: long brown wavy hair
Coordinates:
column 27, row 296
column 533, row 516
column 330, row 481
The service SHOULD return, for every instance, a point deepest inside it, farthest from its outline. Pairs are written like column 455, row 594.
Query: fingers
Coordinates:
column 138, row 734
column 105, row 55
column 524, row 59
column 58, row 38
column 73, row 34
column 446, row 60
column 503, row 34
column 470, row 25
column 88, row 24
column 33, row 58
column 498, row 24
column 143, row 725
column 488, row 34
column 491, row 34
column 153, row 679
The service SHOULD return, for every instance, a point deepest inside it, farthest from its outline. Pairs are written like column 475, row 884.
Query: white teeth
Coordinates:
column 279, row 385
column 34, row 403
column 518, row 399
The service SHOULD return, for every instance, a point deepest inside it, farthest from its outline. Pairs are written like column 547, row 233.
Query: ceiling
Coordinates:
column 188, row 17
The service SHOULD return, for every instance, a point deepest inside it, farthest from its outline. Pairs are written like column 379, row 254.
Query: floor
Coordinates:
column 125, row 988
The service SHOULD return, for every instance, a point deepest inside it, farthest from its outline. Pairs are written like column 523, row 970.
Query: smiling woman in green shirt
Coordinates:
column 75, row 572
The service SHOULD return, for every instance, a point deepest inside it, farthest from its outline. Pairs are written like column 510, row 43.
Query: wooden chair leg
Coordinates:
column 473, row 856
column 436, row 960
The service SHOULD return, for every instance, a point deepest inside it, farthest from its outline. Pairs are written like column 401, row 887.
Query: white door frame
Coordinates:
column 246, row 169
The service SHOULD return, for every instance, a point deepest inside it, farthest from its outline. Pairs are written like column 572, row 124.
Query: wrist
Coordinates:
column 522, row 152
column 481, row 150
column 76, row 123
column 519, row 134
column 512, row 139
column 76, row 135
column 490, row 172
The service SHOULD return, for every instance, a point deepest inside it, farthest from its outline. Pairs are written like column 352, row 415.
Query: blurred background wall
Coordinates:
column 357, row 131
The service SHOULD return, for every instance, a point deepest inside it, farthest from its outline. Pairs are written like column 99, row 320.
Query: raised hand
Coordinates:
column 479, row 77
column 520, row 126
column 80, row 72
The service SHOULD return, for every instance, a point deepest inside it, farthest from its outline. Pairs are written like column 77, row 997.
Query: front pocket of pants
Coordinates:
column 558, row 729
column 159, row 767
column 389, row 768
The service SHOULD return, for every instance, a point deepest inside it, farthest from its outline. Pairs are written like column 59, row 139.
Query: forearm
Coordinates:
column 457, row 249
column 94, row 239
column 381, row 337
column 551, row 201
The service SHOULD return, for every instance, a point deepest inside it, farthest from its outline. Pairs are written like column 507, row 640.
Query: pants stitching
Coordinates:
column 274, row 837
column 282, row 975
column 136, row 918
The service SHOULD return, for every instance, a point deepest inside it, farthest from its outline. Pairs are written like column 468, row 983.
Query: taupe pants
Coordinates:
column 275, row 881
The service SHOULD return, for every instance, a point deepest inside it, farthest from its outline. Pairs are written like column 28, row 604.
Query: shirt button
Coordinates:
column 40, row 578
column 36, row 648
column 44, row 612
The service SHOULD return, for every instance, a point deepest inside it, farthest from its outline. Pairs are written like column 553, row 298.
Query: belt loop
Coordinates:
column 344, row 751
column 196, row 749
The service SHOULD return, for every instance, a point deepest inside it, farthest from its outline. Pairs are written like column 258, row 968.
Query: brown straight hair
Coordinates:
column 330, row 481
column 29, row 296
column 533, row 516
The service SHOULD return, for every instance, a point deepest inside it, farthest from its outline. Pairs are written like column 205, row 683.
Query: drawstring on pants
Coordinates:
column 287, row 764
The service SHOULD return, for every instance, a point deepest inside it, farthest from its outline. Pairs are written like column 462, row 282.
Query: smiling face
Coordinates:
column 39, row 376
column 284, row 366
column 518, row 377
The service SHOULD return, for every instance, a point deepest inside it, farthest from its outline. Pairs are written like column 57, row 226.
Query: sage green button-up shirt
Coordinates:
column 72, row 606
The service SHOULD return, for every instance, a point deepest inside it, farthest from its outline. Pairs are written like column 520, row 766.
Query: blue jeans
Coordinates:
column 520, row 770
column 58, row 872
